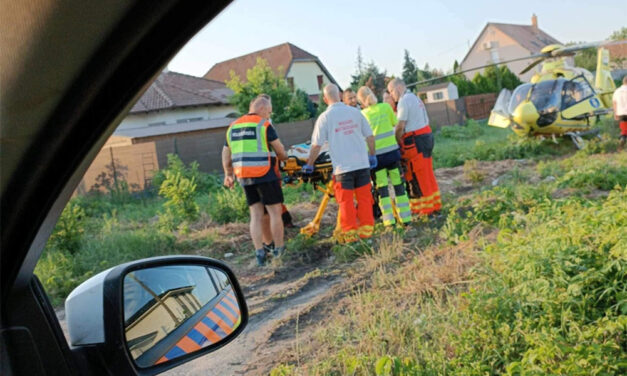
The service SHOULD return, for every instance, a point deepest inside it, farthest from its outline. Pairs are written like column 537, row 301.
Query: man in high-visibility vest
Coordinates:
column 413, row 134
column 250, row 155
column 382, row 121
column 345, row 129
column 619, row 102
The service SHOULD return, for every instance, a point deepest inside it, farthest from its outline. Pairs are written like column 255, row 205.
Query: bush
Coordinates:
column 228, row 205
column 180, row 207
column 204, row 182
column 69, row 229
column 472, row 172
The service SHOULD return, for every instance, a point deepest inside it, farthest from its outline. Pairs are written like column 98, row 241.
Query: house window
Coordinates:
column 290, row 83
column 438, row 95
column 320, row 82
column 494, row 55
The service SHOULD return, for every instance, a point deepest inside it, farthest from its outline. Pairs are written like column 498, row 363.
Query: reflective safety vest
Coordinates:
column 382, row 120
column 247, row 140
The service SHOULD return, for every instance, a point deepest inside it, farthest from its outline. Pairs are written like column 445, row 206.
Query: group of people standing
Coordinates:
column 376, row 142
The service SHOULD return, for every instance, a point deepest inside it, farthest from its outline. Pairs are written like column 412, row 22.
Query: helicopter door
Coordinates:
column 499, row 116
column 579, row 99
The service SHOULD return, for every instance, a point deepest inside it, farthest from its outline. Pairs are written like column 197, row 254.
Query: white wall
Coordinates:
column 140, row 120
column 507, row 49
column 452, row 91
column 305, row 76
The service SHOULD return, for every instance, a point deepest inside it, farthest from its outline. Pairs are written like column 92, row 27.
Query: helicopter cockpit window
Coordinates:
column 546, row 95
column 519, row 95
column 575, row 91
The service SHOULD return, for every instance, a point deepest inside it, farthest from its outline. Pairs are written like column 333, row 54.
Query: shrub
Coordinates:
column 69, row 229
column 180, row 207
column 472, row 171
column 204, row 182
column 228, row 205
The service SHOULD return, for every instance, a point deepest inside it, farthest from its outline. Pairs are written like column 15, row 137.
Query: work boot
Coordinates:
column 278, row 251
column 261, row 257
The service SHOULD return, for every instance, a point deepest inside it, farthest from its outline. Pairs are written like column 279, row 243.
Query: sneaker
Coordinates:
column 269, row 248
column 261, row 257
column 278, row 251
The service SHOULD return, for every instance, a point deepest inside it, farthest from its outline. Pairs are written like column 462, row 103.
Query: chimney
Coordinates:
column 534, row 21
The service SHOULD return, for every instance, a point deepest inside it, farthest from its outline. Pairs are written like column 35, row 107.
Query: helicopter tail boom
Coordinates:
column 603, row 82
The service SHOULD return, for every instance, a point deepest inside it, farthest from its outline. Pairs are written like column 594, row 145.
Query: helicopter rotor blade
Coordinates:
column 533, row 64
column 474, row 69
column 564, row 51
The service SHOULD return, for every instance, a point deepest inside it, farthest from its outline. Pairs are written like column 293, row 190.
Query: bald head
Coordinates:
column 261, row 106
column 331, row 93
column 397, row 88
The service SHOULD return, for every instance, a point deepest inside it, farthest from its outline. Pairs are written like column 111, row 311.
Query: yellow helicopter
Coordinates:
column 560, row 100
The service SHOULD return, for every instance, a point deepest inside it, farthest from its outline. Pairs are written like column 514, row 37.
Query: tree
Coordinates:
column 464, row 86
column 286, row 105
column 410, row 70
column 619, row 34
column 372, row 77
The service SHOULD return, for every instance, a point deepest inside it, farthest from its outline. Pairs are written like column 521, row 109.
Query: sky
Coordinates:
column 434, row 32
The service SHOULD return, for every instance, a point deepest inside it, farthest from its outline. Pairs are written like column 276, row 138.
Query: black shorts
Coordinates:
column 354, row 179
column 269, row 193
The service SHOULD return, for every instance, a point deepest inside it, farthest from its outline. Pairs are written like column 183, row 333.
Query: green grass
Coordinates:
column 477, row 141
column 534, row 284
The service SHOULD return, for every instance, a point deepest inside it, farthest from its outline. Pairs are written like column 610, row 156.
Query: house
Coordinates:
column 500, row 42
column 301, row 69
column 175, row 98
column 438, row 92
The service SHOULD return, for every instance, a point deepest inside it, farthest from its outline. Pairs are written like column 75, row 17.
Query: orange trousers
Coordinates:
column 424, row 193
column 623, row 128
column 355, row 222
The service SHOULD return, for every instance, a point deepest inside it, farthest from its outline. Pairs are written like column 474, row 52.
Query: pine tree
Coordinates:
column 410, row 70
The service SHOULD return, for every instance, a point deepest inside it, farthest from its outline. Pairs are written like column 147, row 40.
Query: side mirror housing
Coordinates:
column 148, row 316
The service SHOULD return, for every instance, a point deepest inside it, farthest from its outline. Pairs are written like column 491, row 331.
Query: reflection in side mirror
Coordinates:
column 175, row 310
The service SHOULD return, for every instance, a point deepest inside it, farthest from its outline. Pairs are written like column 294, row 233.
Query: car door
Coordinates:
column 69, row 72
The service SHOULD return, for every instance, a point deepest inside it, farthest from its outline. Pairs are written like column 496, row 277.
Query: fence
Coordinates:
column 479, row 106
column 136, row 163
column 448, row 112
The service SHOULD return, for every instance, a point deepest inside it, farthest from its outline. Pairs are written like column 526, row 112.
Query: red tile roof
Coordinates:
column 280, row 56
column 172, row 90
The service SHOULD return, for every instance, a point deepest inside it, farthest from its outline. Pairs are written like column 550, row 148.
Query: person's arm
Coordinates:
column 370, row 142
column 279, row 149
column 399, row 131
column 227, row 166
column 313, row 154
column 402, row 116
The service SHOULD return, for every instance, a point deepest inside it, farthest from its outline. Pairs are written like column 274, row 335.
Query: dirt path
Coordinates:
column 272, row 304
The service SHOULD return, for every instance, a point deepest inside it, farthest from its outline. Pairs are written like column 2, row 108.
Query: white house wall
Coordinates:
column 507, row 49
column 139, row 120
column 452, row 92
column 305, row 76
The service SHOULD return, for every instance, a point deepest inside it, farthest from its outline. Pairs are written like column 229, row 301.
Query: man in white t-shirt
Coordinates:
column 413, row 134
column 352, row 151
column 619, row 100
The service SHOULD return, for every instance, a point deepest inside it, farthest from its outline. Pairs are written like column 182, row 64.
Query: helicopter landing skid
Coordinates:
column 577, row 137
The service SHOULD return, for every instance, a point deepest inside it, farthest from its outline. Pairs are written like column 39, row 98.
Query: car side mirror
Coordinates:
column 151, row 315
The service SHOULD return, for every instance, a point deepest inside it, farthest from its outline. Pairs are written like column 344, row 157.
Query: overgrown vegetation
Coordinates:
column 532, row 281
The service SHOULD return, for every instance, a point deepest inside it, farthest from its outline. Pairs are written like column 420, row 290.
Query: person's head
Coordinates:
column 625, row 80
column 261, row 105
column 397, row 88
column 331, row 94
column 387, row 98
column 366, row 97
column 349, row 98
